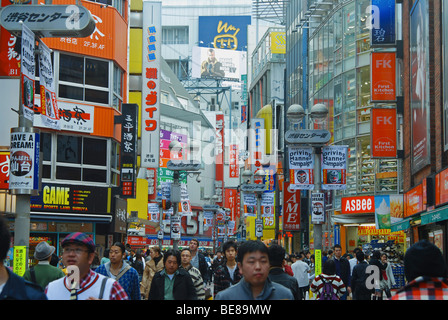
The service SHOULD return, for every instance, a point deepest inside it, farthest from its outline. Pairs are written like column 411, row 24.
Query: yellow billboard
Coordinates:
column 278, row 42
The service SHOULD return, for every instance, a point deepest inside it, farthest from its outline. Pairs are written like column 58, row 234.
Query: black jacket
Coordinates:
column 183, row 288
column 359, row 278
column 203, row 267
column 17, row 288
column 276, row 274
column 343, row 270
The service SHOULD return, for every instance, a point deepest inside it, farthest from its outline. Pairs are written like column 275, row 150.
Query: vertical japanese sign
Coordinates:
column 234, row 171
column 128, row 163
column 383, row 25
column 301, row 165
column 28, row 70
column 151, row 65
column 291, row 205
column 257, row 143
column 334, row 167
column 24, row 161
column 19, row 260
column 48, row 102
column 383, row 76
column 219, row 158
column 231, row 202
column 384, row 133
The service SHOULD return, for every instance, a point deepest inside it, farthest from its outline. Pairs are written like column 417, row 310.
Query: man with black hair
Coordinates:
column 359, row 278
column 172, row 283
column 277, row 274
column 13, row 287
column 227, row 273
column 426, row 273
column 253, row 263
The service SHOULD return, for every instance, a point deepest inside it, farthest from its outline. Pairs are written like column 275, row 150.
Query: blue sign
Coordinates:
column 382, row 23
column 224, row 32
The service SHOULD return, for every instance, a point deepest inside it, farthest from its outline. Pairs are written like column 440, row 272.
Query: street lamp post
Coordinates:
column 258, row 189
column 318, row 114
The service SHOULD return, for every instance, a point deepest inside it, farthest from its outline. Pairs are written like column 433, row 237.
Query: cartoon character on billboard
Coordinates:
column 302, row 177
column 334, row 177
column 211, row 67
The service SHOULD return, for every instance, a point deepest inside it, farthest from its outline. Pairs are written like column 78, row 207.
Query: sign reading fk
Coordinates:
column 383, row 76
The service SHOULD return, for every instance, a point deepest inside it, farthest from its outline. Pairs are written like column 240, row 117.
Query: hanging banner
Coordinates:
column 384, row 133
column 234, row 169
column 184, row 205
column 267, row 204
column 383, row 76
column 176, row 226
column 28, row 68
column 153, row 212
column 389, row 209
column 24, row 161
column 151, row 72
column 334, row 167
column 318, row 208
column 128, row 150
column 291, row 209
column 301, row 165
column 219, row 158
column 49, row 105
column 250, row 204
column 383, row 23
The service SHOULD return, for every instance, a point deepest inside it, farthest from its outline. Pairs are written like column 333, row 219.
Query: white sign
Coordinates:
column 334, row 167
column 175, row 227
column 250, row 204
column 184, row 204
column 28, row 72
column 153, row 212
column 151, row 74
column 301, row 165
column 24, row 161
column 48, row 102
column 318, row 208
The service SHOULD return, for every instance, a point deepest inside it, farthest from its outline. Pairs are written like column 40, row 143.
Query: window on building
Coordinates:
column 79, row 158
column 175, row 35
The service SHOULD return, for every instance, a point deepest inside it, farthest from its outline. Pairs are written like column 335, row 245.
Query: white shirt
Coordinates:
column 300, row 270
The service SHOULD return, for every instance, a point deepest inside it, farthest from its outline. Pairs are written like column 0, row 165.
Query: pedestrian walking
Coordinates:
column 228, row 272
column 388, row 276
column 277, row 273
column 152, row 266
column 342, row 268
column 301, row 271
column 197, row 258
column 78, row 251
column 43, row 273
column 12, row 286
column 425, row 270
column 359, row 278
column 139, row 264
column 195, row 274
column 120, row 271
column 328, row 285
column 375, row 261
column 172, row 283
column 253, row 261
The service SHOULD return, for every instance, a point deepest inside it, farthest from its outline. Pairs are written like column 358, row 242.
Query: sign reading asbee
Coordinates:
column 364, row 204
column 49, row 20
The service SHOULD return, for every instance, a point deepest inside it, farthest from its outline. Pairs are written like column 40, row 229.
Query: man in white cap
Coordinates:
column 43, row 273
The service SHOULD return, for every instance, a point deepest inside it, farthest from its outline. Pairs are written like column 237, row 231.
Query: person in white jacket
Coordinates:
column 388, row 278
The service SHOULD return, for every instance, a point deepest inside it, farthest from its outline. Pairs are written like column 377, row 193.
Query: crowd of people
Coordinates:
column 249, row 270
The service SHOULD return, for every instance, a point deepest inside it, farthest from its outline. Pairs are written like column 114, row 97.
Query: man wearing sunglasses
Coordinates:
column 82, row 283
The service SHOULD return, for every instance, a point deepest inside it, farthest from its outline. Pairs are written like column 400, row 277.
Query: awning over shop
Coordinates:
column 56, row 216
column 433, row 216
column 353, row 218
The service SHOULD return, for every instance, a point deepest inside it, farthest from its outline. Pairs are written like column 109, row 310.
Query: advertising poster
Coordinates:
column 24, row 161
column 301, row 165
column 318, row 207
column 250, row 204
column 291, row 208
column 383, row 33
column 419, row 95
column 211, row 63
column 153, row 212
column 128, row 150
column 267, row 204
column 383, row 133
column 441, row 187
column 334, row 167
column 414, row 201
column 48, row 102
column 28, row 66
column 184, row 205
column 176, row 227
column 389, row 209
column 383, row 76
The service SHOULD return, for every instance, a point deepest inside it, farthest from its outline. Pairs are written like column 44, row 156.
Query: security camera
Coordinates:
column 198, row 179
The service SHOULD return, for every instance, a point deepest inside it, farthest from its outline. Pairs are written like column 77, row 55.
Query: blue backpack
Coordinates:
column 327, row 290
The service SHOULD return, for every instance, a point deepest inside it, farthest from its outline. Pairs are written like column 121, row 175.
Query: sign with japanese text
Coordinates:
column 257, row 141
column 28, row 69
column 318, row 207
column 9, row 50
column 383, row 76
column 184, row 206
column 76, row 117
column 20, row 262
column 291, row 208
column 234, row 170
column 414, row 201
column 232, row 202
column 383, row 133
column 151, row 72
column 219, row 158
column 301, row 165
column 24, row 161
column 441, row 187
column 4, row 170
column 48, row 102
column 128, row 163
column 383, row 25
column 334, row 167
column 250, row 204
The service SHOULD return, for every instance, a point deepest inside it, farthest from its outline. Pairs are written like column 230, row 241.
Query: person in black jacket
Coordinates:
column 359, row 279
column 197, row 258
column 277, row 274
column 375, row 260
column 12, row 286
column 342, row 268
column 178, row 280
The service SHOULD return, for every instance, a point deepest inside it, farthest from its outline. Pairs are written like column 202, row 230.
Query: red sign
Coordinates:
column 383, row 74
column 219, row 158
column 384, row 133
column 442, row 187
column 364, row 204
column 4, row 170
column 233, row 161
column 291, row 205
column 414, row 201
